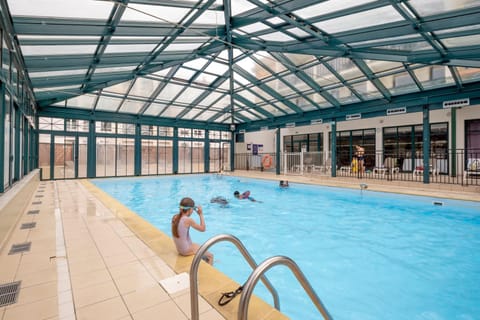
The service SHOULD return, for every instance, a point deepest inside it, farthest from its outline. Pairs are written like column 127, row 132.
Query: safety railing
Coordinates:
column 196, row 263
column 258, row 273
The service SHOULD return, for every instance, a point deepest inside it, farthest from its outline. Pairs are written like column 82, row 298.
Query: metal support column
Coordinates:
column 333, row 151
column 138, row 151
column 426, row 144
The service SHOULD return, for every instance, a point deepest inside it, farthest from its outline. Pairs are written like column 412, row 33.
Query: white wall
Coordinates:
column 267, row 137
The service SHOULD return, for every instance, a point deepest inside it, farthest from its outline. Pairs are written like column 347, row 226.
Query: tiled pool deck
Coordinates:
column 92, row 258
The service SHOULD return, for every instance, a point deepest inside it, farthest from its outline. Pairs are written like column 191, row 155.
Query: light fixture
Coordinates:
column 232, row 127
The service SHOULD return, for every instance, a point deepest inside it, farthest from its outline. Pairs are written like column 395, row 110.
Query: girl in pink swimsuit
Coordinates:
column 181, row 223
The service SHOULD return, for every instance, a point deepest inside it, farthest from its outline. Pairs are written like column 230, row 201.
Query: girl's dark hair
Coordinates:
column 185, row 202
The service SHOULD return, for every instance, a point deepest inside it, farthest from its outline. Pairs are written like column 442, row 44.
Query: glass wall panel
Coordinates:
column 198, row 157
column 44, row 155
column 184, row 156
column 82, row 157
column 6, row 140
column 149, row 157
column 125, row 157
column 215, row 157
column 165, row 156
column 106, row 155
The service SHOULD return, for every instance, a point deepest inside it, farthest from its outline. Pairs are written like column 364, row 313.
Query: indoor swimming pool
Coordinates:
column 368, row 255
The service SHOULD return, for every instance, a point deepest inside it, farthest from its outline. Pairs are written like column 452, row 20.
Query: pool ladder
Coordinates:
column 257, row 274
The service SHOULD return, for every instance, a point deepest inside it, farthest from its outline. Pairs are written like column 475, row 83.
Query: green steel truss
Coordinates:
column 252, row 63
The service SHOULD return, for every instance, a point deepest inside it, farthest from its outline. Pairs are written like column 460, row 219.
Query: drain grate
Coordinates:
column 9, row 293
column 37, row 202
column 28, row 225
column 21, row 247
column 33, row 212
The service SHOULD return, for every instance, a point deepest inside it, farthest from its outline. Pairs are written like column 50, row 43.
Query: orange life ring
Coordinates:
column 267, row 161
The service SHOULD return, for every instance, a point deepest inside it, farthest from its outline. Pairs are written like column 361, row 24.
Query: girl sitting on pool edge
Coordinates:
column 245, row 195
column 181, row 223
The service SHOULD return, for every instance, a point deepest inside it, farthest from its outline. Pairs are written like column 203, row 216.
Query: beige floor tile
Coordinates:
column 183, row 302
column 35, row 293
column 9, row 266
column 158, row 268
column 86, row 266
column 168, row 310
column 127, row 269
column 89, row 279
column 145, row 298
column 134, row 282
column 42, row 309
column 111, row 309
column 120, row 259
column 211, row 314
column 94, row 294
column 36, row 278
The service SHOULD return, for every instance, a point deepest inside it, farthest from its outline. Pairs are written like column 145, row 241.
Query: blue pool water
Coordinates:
column 368, row 255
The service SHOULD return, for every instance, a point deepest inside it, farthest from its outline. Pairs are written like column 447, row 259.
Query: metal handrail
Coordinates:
column 264, row 267
column 196, row 262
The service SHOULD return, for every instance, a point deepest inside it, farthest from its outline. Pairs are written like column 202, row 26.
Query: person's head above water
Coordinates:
column 236, row 194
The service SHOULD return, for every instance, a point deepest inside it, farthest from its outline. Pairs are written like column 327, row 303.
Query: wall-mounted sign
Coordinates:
column 399, row 110
column 290, row 125
column 456, row 103
column 316, row 121
column 353, row 116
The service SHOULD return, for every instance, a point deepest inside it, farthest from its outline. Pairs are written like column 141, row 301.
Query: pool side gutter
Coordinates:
column 211, row 282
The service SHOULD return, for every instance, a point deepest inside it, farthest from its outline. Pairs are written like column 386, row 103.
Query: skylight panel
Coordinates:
column 321, row 75
column 367, row 90
column 183, row 46
column 212, row 97
column 346, row 68
column 299, row 32
column 284, row 109
column 253, row 68
column 172, row 111
column 360, row 20
column 108, row 103
column 276, row 36
column 461, row 41
column 189, row 95
column 328, row 7
column 380, row 67
column 120, row 88
column 58, row 50
column 280, row 87
column 61, row 9
column 319, row 100
column 240, row 6
column 303, row 104
column 216, row 68
column 170, row 91
column 185, row 74
column 299, row 59
column 399, row 83
column 409, row 47
column 85, row 101
column 469, row 74
column 144, row 87
column 206, row 115
column 154, row 109
column 126, row 48
column 343, row 95
column 434, row 76
column 191, row 114
column 56, row 73
column 132, row 106
column 254, row 27
column 154, row 13
column 431, row 7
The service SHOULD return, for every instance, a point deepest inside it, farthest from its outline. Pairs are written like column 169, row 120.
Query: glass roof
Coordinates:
column 276, row 58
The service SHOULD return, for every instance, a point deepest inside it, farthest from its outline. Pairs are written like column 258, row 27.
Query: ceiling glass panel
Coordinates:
column 205, row 78
column 108, row 103
column 272, row 109
column 114, row 69
column 268, row 60
column 430, row 7
column 120, row 88
column 57, row 50
column 62, row 9
column 296, row 82
column 239, row 6
column 343, row 95
column 170, row 91
column 254, row 27
column 280, row 87
column 56, row 73
column 303, row 104
column 141, row 12
column 321, row 75
column 114, row 48
column 206, row 115
column 154, row 109
column 412, row 46
column 379, row 67
column 183, row 47
column 328, row 7
column 284, row 109
column 399, row 83
column 212, row 97
column 469, row 74
column 144, row 87
column 189, row 95
column 84, row 101
column 216, row 68
column 346, row 68
column 299, row 32
column 434, row 76
column 275, row 36
column 191, row 114
column 319, row 100
column 132, row 106
column 299, row 59
column 184, row 73
column 253, row 68
column 367, row 90
column 172, row 111
column 262, row 93
column 359, row 20
column 461, row 41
